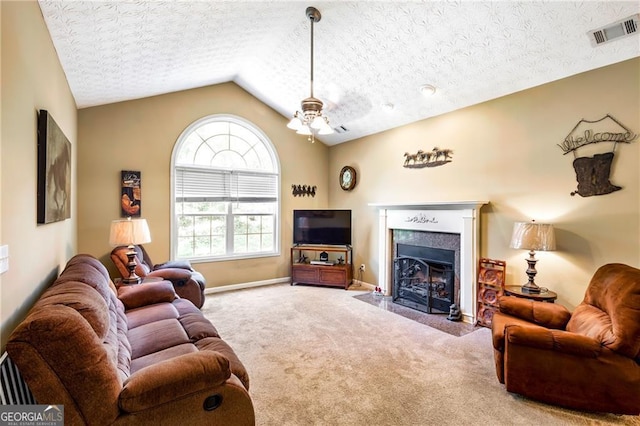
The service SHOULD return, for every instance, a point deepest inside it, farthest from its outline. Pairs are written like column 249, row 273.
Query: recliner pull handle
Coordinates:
column 212, row 402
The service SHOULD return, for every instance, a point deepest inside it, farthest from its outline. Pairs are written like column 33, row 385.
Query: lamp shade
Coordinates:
column 129, row 231
column 533, row 236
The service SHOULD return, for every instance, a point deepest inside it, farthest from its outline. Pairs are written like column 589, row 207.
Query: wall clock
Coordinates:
column 347, row 178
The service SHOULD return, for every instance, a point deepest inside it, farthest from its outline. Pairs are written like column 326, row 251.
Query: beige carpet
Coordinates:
column 318, row 356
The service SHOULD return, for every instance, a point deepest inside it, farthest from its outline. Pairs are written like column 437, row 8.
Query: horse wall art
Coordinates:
column 54, row 171
column 435, row 157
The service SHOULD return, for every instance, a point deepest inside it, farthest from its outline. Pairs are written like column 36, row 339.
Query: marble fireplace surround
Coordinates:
column 456, row 217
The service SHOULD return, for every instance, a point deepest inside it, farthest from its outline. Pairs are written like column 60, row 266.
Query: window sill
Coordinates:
column 226, row 258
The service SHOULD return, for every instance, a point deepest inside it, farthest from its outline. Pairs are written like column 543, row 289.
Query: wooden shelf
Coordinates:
column 335, row 275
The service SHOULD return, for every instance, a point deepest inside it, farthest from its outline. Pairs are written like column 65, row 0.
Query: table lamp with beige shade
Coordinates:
column 533, row 236
column 130, row 232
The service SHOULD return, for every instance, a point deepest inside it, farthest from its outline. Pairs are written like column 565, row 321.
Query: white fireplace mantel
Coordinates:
column 432, row 205
column 458, row 217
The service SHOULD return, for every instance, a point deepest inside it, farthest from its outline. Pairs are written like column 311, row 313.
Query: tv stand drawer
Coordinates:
column 305, row 274
column 332, row 276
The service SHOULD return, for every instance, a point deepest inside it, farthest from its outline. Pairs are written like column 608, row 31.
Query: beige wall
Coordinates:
column 505, row 151
column 32, row 79
column 141, row 134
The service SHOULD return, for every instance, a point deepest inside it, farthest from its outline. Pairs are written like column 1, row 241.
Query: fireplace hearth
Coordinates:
column 424, row 278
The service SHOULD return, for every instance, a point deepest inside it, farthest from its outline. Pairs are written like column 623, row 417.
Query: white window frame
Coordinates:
column 276, row 162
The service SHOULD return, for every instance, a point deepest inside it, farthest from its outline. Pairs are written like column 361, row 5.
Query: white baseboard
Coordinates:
column 284, row 280
column 364, row 284
column 231, row 287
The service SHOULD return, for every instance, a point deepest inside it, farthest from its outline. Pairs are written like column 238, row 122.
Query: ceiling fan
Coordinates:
column 314, row 118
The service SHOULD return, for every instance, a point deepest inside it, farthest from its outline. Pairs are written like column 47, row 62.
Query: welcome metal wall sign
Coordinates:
column 593, row 171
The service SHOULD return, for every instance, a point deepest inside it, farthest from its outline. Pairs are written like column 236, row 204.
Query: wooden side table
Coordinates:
column 118, row 281
column 543, row 296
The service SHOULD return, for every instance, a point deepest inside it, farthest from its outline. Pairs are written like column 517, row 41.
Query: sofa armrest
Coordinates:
column 188, row 284
column 177, row 264
column 177, row 276
column 137, row 295
column 548, row 315
column 172, row 379
column 553, row 340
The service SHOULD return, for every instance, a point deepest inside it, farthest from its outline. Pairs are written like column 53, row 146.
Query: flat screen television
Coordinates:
column 330, row 227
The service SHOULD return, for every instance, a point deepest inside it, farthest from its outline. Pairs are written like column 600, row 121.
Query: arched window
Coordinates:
column 225, row 191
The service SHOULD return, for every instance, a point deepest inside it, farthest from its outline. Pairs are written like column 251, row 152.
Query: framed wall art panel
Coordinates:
column 130, row 194
column 54, row 171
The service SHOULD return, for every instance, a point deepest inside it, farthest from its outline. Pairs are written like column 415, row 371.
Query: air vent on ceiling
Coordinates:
column 622, row 28
column 340, row 129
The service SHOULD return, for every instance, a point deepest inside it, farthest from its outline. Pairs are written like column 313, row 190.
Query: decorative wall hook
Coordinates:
column 435, row 157
column 303, row 190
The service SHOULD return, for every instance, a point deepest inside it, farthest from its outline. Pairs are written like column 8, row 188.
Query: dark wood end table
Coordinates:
column 543, row 296
column 118, row 281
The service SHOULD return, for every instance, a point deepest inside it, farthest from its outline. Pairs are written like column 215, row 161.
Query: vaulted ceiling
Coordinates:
column 371, row 57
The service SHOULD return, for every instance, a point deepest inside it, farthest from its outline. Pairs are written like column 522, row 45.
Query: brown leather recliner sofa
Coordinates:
column 188, row 283
column 129, row 356
column 587, row 360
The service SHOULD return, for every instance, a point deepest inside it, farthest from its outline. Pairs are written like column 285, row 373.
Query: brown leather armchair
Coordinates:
column 587, row 360
column 188, row 283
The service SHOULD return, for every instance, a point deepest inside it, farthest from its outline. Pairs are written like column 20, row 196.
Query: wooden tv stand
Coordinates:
column 333, row 275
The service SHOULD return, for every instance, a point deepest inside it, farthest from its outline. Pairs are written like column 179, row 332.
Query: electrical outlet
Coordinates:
column 362, row 267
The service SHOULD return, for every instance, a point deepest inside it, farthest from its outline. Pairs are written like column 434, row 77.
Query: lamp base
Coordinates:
column 133, row 278
column 531, row 286
column 526, row 288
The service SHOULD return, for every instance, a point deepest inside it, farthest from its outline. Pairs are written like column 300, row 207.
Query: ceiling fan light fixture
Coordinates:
column 311, row 118
column 295, row 123
column 304, row 130
column 317, row 123
column 325, row 129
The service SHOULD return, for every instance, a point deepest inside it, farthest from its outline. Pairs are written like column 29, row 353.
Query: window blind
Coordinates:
column 202, row 185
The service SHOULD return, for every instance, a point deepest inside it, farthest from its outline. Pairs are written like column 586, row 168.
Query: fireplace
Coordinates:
column 444, row 225
column 424, row 278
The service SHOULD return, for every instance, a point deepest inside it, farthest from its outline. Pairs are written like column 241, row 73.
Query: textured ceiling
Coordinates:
column 367, row 54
